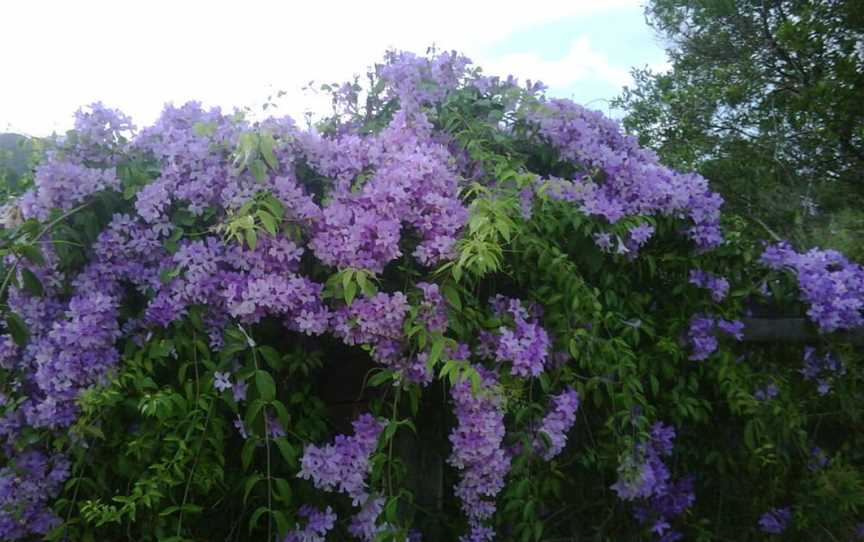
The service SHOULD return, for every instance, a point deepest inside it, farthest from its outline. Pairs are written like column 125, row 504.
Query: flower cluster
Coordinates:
column 524, row 344
column 830, row 284
column 417, row 80
column 557, row 423
column 74, row 355
column 477, row 450
column 343, row 465
column 719, row 286
column 776, row 520
column 433, row 311
column 412, row 184
column 375, row 321
column 661, row 507
column 702, row 334
column 767, row 393
column 318, row 524
column 63, row 185
column 363, row 523
column 644, row 476
column 26, row 487
column 822, row 369
column 635, row 183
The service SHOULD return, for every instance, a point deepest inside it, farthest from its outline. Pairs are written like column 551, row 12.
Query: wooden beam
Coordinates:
column 792, row 330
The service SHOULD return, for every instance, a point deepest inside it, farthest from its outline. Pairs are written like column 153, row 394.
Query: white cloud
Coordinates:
column 580, row 63
column 135, row 56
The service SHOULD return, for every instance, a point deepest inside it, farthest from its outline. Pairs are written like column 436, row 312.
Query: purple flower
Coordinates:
column 221, row 381
column 639, row 235
column 525, row 345
column 557, row 423
column 633, row 180
column 767, row 393
column 241, row 427
column 318, row 524
column 343, row 465
column 63, row 184
column 603, row 241
column 701, row 336
column 719, row 286
column 239, row 390
column 830, row 284
column 477, row 449
column 823, row 369
column 775, row 521
column 364, row 523
column 643, row 473
column 732, row 327
column 28, row 481
column 644, row 477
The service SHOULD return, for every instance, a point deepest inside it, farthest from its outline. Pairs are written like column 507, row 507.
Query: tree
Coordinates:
column 764, row 99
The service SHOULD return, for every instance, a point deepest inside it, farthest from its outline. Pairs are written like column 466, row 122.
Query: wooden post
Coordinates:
column 792, row 330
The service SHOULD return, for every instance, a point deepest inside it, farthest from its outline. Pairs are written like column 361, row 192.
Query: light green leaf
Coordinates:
column 265, row 385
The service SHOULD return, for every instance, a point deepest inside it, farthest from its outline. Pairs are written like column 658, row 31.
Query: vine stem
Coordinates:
column 200, row 441
column 72, row 503
column 390, row 444
column 773, row 235
column 252, row 344
column 192, row 471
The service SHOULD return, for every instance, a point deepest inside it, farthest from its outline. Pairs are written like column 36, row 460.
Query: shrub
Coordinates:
column 454, row 308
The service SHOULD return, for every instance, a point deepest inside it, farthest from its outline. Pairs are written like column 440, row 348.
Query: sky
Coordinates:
column 136, row 56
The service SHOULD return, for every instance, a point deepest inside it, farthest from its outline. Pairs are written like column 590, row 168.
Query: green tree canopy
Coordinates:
column 764, row 99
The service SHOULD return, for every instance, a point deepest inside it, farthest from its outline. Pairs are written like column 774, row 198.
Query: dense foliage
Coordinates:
column 763, row 98
column 456, row 309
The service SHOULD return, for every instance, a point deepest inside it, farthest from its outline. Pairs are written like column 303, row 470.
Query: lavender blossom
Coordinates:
column 776, row 520
column 557, row 423
column 477, row 450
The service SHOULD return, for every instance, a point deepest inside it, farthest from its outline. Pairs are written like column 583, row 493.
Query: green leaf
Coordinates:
column 452, row 296
column 381, row 377
column 259, row 170
column 274, row 206
column 289, row 454
column 249, row 485
column 436, row 350
column 283, row 491
column 266, row 146
column 166, row 275
column 350, row 292
column 267, row 221
column 18, row 329
column 281, row 412
column 391, row 509
column 391, row 429
column 32, row 253
column 32, row 283
column 366, row 286
column 347, row 276
column 252, row 412
column 265, row 385
column 253, row 521
column 271, row 356
column 204, row 129
column 282, row 523
column 251, row 238
column 247, row 453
